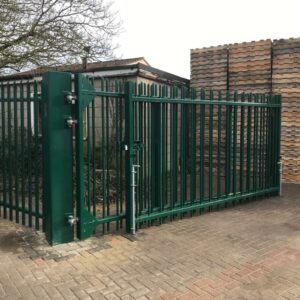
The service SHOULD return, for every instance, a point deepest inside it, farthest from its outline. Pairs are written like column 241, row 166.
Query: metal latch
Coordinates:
column 124, row 146
column 138, row 145
column 70, row 122
column 280, row 167
column 133, row 187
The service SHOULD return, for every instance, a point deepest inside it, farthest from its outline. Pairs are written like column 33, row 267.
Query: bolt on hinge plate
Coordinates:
column 71, row 99
column 70, row 122
column 72, row 220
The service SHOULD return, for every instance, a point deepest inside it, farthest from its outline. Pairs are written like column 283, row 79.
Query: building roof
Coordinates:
column 114, row 68
column 76, row 68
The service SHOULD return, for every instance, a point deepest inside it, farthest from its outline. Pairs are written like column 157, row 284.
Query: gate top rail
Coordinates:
column 102, row 93
column 273, row 101
column 276, row 101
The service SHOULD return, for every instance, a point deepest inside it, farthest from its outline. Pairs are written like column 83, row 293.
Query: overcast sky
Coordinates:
column 164, row 31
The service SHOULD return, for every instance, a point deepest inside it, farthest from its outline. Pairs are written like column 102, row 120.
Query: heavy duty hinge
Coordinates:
column 71, row 219
column 70, row 122
column 70, row 98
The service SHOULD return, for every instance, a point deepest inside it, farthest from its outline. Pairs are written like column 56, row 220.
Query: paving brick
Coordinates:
column 140, row 293
column 97, row 295
column 249, row 251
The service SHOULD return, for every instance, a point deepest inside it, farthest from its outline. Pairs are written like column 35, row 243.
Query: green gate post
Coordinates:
column 57, row 159
column 130, row 154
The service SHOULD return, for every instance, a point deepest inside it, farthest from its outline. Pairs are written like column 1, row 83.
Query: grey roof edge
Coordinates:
column 139, row 66
column 163, row 74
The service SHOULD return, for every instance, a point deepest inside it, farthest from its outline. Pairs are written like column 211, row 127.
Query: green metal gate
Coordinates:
column 200, row 152
column 86, row 156
column 176, row 154
column 100, row 160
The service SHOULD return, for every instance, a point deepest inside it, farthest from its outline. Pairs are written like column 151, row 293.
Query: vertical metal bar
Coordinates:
column 228, row 145
column 268, row 154
column 193, row 148
column 272, row 144
column 163, row 150
column 146, row 150
column 175, row 153
column 255, row 142
column 172, row 171
column 22, row 145
column 219, row 183
column 202, row 145
column 141, row 155
column 88, row 149
column 129, row 129
column 159, row 151
column 278, row 163
column 260, row 162
column 165, row 147
column 249, row 141
column 107, row 173
column 2, row 150
column 153, row 139
column 234, row 166
column 4, row 159
column 103, row 155
column 278, row 145
column 149, row 147
column 16, row 158
column 118, row 148
column 36, row 155
column 242, row 144
column 10, row 167
column 264, row 142
column 183, row 153
column 210, row 145
column 94, row 155
column 29, row 161
column 121, row 108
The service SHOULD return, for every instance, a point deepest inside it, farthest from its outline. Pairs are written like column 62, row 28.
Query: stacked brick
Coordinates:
column 286, row 81
column 250, row 66
column 209, row 68
column 258, row 67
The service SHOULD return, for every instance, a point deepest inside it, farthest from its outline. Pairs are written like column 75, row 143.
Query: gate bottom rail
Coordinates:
column 195, row 205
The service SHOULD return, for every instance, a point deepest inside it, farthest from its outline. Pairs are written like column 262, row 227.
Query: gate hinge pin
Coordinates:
column 70, row 122
column 72, row 220
column 70, row 98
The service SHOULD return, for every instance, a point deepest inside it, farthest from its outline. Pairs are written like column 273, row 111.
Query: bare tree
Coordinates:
column 54, row 32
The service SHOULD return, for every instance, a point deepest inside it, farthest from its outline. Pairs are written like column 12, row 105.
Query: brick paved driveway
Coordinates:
column 250, row 251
